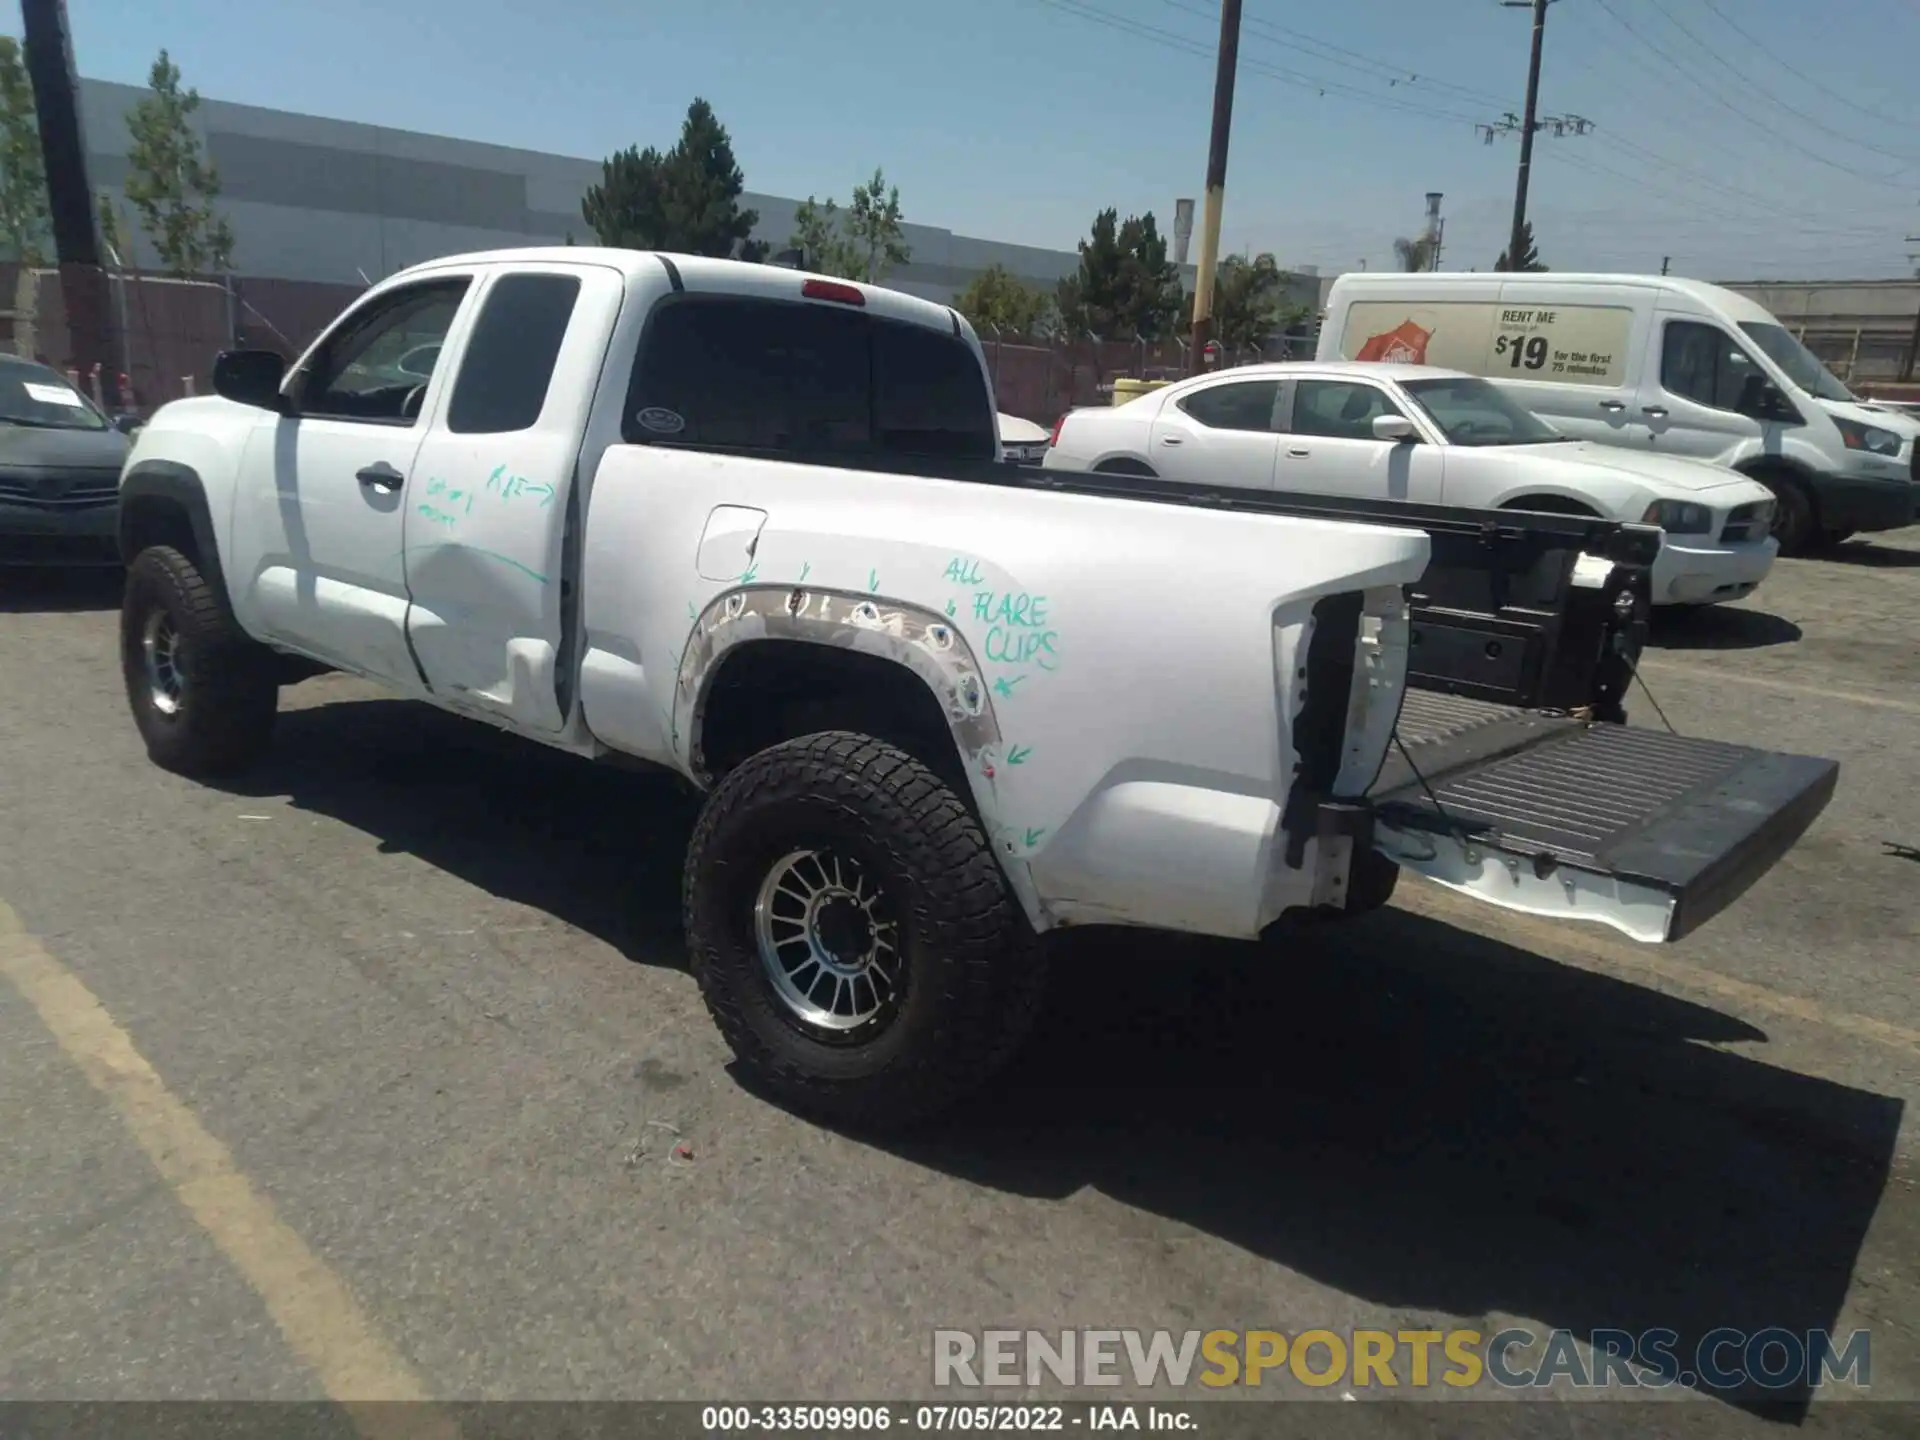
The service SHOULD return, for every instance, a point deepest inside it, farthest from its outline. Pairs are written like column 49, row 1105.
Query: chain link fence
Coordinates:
column 1040, row 380
column 160, row 333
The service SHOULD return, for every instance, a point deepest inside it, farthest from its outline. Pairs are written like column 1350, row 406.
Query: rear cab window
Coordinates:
column 805, row 381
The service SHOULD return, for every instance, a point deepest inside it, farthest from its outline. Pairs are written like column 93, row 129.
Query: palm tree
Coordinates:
column 1414, row 254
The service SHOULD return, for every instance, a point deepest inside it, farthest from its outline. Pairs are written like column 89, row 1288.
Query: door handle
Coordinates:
column 1298, row 453
column 1658, row 412
column 380, row 476
column 1169, row 439
column 1612, row 407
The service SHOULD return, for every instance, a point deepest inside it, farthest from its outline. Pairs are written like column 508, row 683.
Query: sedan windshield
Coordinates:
column 1470, row 411
column 40, row 398
column 1803, row 367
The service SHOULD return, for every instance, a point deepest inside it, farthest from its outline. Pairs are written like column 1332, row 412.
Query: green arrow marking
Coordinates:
column 690, row 614
column 949, row 609
column 751, row 571
column 1017, row 754
column 1004, row 686
column 806, row 568
column 1033, row 836
column 873, row 579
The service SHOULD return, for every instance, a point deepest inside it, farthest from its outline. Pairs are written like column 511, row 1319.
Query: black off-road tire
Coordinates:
column 1796, row 525
column 972, row 971
column 229, row 691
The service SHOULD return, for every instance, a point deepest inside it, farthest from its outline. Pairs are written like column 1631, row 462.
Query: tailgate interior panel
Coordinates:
column 1696, row 821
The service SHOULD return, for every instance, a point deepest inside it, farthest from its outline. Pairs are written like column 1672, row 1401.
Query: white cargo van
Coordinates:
column 1655, row 363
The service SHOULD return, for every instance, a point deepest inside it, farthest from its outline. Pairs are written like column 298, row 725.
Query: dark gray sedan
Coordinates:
column 60, row 462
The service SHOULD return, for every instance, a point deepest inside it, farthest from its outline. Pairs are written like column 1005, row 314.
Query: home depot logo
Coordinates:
column 1405, row 344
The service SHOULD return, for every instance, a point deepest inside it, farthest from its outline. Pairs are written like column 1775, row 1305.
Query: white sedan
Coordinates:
column 1021, row 441
column 1413, row 432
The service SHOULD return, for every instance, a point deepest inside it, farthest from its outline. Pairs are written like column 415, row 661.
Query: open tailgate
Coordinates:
column 1649, row 832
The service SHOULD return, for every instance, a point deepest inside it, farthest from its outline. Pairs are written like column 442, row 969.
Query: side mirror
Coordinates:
column 127, row 424
column 1392, row 427
column 251, row 377
column 1766, row 402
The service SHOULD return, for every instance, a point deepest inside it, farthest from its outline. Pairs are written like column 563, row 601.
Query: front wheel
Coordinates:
column 1793, row 517
column 203, row 693
column 852, row 935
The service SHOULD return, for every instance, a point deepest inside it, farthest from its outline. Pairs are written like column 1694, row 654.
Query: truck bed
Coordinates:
column 1500, row 615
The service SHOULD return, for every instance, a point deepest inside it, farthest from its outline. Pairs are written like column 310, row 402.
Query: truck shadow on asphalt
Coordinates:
column 1414, row 1114
column 1875, row 557
column 28, row 591
column 1719, row 627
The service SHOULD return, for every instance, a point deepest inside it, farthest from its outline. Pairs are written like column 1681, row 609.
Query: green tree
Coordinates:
column 685, row 200
column 170, row 183
column 23, row 179
column 997, row 299
column 1125, row 285
column 862, row 242
column 1247, row 296
column 1415, row 254
column 1529, row 255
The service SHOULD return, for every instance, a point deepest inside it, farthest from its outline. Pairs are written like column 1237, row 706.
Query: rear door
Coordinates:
column 1223, row 433
column 1330, row 447
column 489, row 493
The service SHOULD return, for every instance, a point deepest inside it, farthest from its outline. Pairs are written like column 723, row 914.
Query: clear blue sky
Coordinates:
column 1018, row 119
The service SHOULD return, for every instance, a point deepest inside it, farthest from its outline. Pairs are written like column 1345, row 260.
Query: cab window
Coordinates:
column 806, row 381
column 1339, row 409
column 1241, row 405
column 1704, row 364
column 376, row 366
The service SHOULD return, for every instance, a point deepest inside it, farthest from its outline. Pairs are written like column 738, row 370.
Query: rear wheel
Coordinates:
column 203, row 693
column 853, row 937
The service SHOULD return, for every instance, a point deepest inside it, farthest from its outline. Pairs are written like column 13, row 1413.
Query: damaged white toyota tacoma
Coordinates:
column 756, row 527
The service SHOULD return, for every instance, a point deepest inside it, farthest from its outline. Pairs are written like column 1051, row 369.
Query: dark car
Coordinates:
column 60, row 461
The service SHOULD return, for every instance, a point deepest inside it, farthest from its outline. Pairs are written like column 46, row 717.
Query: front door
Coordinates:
column 320, row 548
column 1219, row 434
column 1330, row 448
column 1699, row 380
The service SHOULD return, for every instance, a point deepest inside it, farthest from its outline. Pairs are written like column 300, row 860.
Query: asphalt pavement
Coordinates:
column 380, row 1075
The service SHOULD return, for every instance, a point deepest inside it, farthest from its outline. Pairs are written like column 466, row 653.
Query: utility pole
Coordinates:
column 1515, row 247
column 1665, row 261
column 1228, row 65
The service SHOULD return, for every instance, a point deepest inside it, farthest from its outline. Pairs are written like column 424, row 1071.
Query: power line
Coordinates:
column 1680, row 69
column 1707, row 49
column 1297, row 79
column 1372, row 66
column 1799, row 74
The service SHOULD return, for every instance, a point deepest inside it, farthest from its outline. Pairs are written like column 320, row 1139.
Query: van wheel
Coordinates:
column 1793, row 517
column 853, row 937
column 203, row 693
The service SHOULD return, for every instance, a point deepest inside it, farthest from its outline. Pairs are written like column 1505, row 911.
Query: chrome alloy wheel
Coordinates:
column 160, row 653
column 825, row 941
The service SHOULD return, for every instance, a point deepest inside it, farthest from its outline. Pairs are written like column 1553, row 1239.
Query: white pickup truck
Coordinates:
column 755, row 527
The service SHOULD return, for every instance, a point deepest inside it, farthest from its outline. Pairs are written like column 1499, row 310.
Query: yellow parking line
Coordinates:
column 313, row 1307
column 1584, row 948
column 1785, row 687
